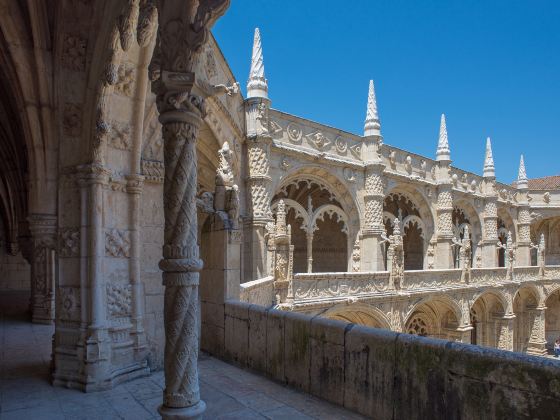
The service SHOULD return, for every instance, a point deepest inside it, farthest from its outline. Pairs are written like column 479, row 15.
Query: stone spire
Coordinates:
column 372, row 127
column 443, row 153
column 522, row 181
column 489, row 171
column 257, row 86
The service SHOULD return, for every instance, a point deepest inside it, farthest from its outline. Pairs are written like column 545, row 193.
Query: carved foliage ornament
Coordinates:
column 119, row 298
column 184, row 37
column 74, row 53
column 120, row 137
column 117, row 243
column 69, row 303
column 69, row 242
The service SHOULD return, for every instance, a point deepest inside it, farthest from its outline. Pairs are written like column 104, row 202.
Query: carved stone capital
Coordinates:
column 42, row 227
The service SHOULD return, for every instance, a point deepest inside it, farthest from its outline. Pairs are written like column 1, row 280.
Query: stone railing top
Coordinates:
column 330, row 286
column 340, row 275
column 323, row 286
column 255, row 284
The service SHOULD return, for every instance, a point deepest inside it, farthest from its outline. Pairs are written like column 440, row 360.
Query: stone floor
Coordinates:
column 229, row 392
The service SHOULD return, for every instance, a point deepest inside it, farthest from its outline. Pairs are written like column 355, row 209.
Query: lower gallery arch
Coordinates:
column 552, row 319
column 360, row 314
column 487, row 317
column 437, row 317
column 525, row 305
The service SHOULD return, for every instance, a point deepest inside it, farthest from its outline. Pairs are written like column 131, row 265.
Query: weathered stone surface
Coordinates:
column 257, row 356
column 297, row 350
column 369, row 371
column 419, row 376
column 327, row 359
column 388, row 375
column 275, row 346
column 237, row 333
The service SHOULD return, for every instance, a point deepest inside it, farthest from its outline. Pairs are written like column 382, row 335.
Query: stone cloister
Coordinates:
column 144, row 201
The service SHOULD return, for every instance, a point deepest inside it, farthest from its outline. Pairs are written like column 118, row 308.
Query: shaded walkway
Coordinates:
column 230, row 393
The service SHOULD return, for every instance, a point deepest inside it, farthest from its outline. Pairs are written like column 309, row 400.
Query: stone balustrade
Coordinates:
column 384, row 374
column 260, row 292
column 309, row 287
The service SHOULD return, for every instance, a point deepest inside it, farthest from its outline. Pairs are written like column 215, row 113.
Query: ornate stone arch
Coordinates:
column 508, row 222
column 549, row 290
column 313, row 175
column 432, row 302
column 423, row 213
column 497, row 294
column 537, row 294
column 358, row 313
column 408, row 220
column 473, row 217
column 332, row 210
column 300, row 212
column 330, row 181
column 420, row 200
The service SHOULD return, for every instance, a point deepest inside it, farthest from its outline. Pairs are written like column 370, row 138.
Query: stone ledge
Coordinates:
column 386, row 375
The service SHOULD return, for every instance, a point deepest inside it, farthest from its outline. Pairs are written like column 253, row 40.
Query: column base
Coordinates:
column 194, row 412
column 536, row 349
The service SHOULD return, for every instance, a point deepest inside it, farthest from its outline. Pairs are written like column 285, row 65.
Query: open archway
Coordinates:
column 416, row 221
column 552, row 319
column 464, row 214
column 487, row 315
column 319, row 215
column 505, row 226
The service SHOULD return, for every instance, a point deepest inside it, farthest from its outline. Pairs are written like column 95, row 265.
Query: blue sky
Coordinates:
column 493, row 67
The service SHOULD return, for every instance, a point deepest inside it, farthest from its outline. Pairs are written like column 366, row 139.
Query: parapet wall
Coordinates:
column 388, row 375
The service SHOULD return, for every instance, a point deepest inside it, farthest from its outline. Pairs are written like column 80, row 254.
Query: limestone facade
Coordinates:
column 144, row 191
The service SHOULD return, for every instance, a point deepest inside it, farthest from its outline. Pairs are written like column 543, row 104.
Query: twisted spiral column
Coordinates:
column 181, row 263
